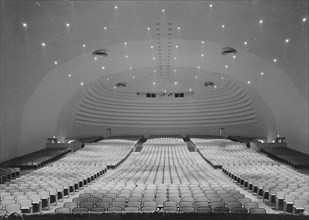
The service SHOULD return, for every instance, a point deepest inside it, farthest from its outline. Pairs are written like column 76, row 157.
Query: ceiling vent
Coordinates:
column 121, row 84
column 228, row 50
column 209, row 84
column 100, row 52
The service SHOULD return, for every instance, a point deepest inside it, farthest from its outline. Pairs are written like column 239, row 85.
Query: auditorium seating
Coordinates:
column 225, row 152
column 37, row 159
column 8, row 173
column 62, row 178
column 288, row 156
column 164, row 177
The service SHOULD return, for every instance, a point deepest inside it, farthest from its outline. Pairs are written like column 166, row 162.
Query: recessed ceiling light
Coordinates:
column 275, row 60
column 304, row 19
column 24, row 25
column 55, row 62
column 226, row 66
column 164, row 90
column 174, row 70
column 245, row 43
column 125, row 43
column 84, row 45
column 43, row 44
column 105, row 28
column 234, row 57
column 176, row 46
column 178, row 28
column 67, row 24
column 116, row 7
column 202, row 55
column 127, row 56
column 103, row 67
column 130, row 68
column 133, row 77
column 210, row 5
column 198, row 67
column 223, row 26
column 215, row 86
column 95, row 58
column 249, row 82
column 154, row 83
column 287, row 40
column 107, row 79
column 262, row 73
column 175, row 83
column 163, row 10
column 151, row 47
column 154, row 70
column 195, row 76
column 148, row 28
column 114, row 87
column 190, row 90
column 153, row 58
column 203, row 42
column 261, row 21
column 69, row 75
column 81, row 83
column 222, row 78
column 175, row 58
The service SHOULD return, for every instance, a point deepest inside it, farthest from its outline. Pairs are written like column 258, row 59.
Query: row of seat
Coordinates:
column 37, row 159
column 231, row 154
column 288, row 156
column 278, row 184
column 50, row 184
column 8, row 173
column 165, row 140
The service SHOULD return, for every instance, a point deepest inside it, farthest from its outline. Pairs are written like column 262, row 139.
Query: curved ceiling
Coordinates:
column 47, row 46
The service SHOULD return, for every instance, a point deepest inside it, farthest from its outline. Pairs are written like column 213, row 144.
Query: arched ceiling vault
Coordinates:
column 152, row 46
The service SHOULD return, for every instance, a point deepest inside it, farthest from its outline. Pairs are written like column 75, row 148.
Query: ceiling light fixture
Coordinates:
column 148, row 28
column 234, row 57
column 127, row 56
column 210, row 5
column 164, row 90
column 198, row 67
column 153, row 58
column 70, row 75
column 133, row 77
column 190, row 90
column 261, row 21
column 43, row 44
column 107, row 79
column 103, row 67
column 84, row 45
column 262, row 73
column 223, row 26
column 287, row 40
column 81, row 83
column 151, row 47
column 275, row 60
column 304, row 19
column 125, row 43
column 215, row 87
column 178, row 28
column 175, row 58
column 245, row 43
column 163, row 10
column 105, row 28
column 154, row 83
column 176, row 83
column 116, row 7
column 130, row 68
column 249, row 82
column 95, row 58
column 202, row 55
column 24, row 25
column 114, row 87
column 176, row 46
column 67, row 24
column 203, row 42
column 195, row 76
column 226, row 66
column 55, row 62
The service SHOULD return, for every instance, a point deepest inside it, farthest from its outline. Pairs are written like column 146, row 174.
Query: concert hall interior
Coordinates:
column 154, row 109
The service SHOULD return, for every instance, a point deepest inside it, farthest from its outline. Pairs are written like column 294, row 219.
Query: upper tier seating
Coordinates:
column 288, row 156
column 165, row 140
column 37, row 159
